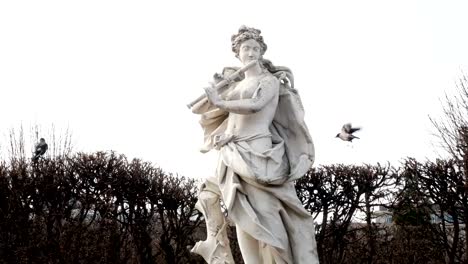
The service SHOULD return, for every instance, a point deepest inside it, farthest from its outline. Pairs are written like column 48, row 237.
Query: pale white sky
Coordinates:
column 120, row 73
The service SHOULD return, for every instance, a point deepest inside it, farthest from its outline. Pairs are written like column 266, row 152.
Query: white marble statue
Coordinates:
column 257, row 124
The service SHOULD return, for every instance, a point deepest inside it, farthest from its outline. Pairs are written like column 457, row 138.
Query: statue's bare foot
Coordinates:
column 215, row 250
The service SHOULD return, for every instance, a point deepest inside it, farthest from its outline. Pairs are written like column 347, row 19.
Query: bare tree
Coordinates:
column 452, row 127
column 20, row 146
column 442, row 182
column 60, row 141
column 452, row 130
column 334, row 195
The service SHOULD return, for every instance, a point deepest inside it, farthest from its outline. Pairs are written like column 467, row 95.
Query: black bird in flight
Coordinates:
column 347, row 131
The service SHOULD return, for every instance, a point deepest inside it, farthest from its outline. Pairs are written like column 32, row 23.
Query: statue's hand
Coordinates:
column 213, row 96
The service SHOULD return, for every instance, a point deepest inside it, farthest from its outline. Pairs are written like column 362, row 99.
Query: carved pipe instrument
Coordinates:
column 226, row 81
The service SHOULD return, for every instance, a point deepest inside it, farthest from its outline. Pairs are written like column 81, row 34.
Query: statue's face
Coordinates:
column 249, row 50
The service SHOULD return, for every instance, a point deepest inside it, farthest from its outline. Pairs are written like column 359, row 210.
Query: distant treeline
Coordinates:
column 103, row 208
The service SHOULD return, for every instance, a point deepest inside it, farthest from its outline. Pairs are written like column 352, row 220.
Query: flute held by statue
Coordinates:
column 225, row 81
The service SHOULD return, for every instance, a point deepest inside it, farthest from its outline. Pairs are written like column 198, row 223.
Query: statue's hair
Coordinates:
column 246, row 33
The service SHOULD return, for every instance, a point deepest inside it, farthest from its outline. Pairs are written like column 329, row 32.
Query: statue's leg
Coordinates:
column 215, row 249
column 249, row 246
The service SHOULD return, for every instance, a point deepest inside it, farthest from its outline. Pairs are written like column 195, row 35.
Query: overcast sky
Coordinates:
column 120, row 73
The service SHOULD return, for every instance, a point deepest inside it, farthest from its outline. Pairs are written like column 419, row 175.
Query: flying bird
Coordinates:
column 40, row 150
column 347, row 131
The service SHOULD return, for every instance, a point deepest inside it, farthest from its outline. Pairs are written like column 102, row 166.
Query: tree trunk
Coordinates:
column 370, row 233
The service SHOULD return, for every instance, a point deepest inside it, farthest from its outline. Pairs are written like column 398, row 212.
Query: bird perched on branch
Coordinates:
column 40, row 150
column 347, row 131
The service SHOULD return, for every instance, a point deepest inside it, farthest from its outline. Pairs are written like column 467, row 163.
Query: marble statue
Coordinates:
column 254, row 118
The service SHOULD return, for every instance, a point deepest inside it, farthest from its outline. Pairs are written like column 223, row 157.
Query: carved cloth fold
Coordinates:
column 257, row 188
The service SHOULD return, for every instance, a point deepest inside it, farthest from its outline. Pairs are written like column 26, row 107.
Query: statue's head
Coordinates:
column 244, row 34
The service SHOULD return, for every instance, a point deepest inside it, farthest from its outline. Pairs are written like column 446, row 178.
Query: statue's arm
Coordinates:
column 267, row 90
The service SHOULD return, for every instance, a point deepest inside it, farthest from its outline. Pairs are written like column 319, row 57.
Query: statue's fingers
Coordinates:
column 208, row 90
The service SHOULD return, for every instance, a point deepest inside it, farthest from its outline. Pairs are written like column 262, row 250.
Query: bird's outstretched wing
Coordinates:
column 348, row 129
column 354, row 129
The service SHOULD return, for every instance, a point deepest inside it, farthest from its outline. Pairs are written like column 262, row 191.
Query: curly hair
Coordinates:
column 246, row 33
